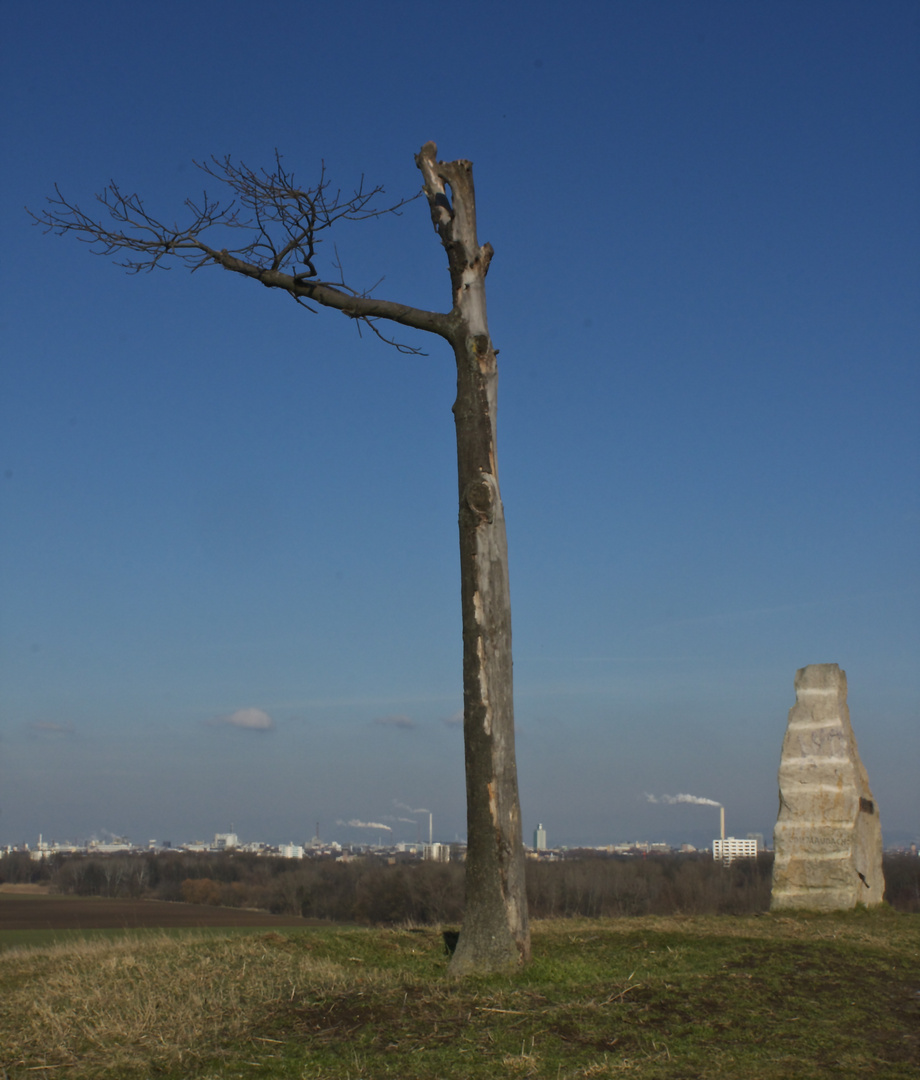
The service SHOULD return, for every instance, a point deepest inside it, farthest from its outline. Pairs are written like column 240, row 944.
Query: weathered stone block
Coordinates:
column 828, row 836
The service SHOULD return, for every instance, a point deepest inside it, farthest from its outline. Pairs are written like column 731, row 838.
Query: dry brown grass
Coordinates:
column 122, row 1005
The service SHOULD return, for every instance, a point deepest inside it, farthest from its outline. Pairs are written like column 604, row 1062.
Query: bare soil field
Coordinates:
column 43, row 911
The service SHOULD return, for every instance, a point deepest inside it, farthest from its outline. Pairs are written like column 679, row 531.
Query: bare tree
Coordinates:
column 280, row 227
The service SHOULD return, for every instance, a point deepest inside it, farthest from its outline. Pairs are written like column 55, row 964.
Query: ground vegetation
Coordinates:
column 654, row 998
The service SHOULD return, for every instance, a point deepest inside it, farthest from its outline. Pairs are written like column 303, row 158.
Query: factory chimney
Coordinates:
column 722, row 822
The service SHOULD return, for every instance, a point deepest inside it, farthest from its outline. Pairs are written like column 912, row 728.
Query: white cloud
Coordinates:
column 250, row 719
column 454, row 721
column 400, row 720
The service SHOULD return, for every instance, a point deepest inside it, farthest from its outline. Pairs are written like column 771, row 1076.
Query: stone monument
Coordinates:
column 828, row 837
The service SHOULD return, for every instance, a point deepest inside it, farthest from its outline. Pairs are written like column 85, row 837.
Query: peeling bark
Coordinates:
column 495, row 932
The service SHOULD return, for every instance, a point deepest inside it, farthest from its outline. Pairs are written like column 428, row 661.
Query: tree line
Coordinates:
column 378, row 891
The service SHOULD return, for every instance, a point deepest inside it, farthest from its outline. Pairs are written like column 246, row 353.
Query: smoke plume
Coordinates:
column 672, row 799
column 355, row 824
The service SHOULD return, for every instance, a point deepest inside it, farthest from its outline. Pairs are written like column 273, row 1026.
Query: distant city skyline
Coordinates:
column 347, row 836
column 302, row 846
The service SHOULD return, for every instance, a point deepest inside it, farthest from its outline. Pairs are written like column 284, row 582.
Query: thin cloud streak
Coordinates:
column 47, row 727
column 761, row 612
column 398, row 720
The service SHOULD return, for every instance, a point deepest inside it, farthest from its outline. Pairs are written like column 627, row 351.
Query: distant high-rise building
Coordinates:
column 539, row 838
column 729, row 850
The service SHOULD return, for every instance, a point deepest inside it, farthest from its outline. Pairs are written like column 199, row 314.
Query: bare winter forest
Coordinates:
column 379, row 891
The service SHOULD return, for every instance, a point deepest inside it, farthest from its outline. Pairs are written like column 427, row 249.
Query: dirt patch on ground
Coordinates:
column 40, row 911
column 25, row 890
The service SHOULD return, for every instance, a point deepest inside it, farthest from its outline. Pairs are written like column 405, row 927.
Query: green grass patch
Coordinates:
column 48, row 938
column 763, row 998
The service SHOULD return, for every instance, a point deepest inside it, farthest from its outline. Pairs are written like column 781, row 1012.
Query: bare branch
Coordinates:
column 271, row 229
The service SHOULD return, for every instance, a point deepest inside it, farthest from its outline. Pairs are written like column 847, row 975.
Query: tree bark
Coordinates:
column 495, row 933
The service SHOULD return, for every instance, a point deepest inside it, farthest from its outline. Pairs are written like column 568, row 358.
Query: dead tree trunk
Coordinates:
column 495, row 930
column 281, row 226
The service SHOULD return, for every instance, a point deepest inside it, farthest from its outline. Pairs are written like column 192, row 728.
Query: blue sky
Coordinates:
column 228, row 552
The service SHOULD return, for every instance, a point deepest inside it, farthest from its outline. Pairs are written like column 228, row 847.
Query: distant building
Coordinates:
column 539, row 838
column 291, row 851
column 109, row 847
column 437, row 852
column 728, row 850
column 225, row 840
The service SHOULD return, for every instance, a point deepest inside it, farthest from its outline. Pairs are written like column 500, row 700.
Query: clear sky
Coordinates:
column 228, row 556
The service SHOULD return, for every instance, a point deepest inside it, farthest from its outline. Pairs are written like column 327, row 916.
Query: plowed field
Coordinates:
column 44, row 912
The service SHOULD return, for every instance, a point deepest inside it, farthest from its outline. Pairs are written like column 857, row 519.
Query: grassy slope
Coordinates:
column 801, row 996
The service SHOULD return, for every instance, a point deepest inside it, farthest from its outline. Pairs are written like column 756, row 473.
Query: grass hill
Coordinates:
column 759, row 997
